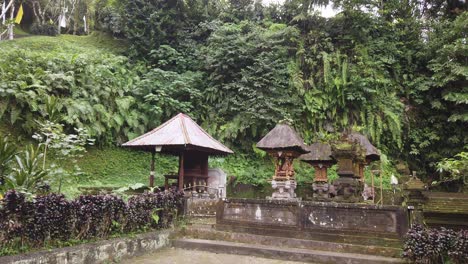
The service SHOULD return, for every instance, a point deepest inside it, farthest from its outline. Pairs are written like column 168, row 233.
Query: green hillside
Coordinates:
column 67, row 43
column 396, row 74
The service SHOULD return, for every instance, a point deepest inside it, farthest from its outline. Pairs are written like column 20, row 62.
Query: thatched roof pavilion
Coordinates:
column 282, row 137
column 284, row 145
column 372, row 153
column 320, row 158
column 319, row 152
column 178, row 134
column 183, row 137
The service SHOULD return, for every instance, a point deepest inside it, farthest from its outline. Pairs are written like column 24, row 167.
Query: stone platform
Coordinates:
column 209, row 238
column 308, row 218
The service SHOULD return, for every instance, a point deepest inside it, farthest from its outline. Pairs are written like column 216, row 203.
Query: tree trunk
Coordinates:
column 12, row 25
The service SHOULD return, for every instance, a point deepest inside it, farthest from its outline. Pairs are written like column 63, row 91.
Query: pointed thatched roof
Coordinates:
column 178, row 134
column 282, row 137
column 372, row 153
column 318, row 152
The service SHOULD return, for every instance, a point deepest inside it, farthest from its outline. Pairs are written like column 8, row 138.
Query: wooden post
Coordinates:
column 151, row 178
column 373, row 187
column 381, row 189
column 181, row 172
column 204, row 171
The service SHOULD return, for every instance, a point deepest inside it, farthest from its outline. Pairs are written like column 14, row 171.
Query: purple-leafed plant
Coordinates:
column 433, row 246
column 97, row 215
column 458, row 253
column 52, row 218
column 14, row 213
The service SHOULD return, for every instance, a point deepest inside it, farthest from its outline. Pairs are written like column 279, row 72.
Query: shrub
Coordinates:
column 109, row 20
column 52, row 219
column 152, row 210
column 426, row 245
column 14, row 211
column 45, row 29
column 96, row 214
column 458, row 253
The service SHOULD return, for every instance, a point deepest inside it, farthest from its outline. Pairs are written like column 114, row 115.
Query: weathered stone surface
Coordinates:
column 261, row 212
column 291, row 242
column 201, row 207
column 217, row 180
column 100, row 252
column 449, row 210
column 290, row 254
column 367, row 218
column 391, row 221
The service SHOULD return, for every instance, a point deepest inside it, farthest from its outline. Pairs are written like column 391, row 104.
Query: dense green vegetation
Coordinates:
column 116, row 167
column 394, row 70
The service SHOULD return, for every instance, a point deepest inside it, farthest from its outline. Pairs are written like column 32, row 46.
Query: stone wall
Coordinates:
column 314, row 216
column 449, row 210
column 107, row 251
column 200, row 207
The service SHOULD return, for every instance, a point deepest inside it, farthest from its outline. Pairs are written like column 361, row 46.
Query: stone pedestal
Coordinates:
column 322, row 191
column 283, row 189
column 348, row 189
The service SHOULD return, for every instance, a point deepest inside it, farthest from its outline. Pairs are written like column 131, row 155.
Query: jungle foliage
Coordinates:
column 394, row 70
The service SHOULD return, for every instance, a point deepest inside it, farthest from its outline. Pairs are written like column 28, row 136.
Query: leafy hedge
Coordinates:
column 52, row 220
column 426, row 245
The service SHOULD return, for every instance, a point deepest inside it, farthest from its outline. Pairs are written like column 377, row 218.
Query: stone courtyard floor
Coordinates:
column 176, row 255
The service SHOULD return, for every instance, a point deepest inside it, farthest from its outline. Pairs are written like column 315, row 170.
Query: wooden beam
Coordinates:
column 151, row 178
column 181, row 172
column 373, row 187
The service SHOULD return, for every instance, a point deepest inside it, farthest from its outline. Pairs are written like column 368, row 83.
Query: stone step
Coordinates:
column 357, row 238
column 292, row 254
column 211, row 234
column 200, row 223
column 201, row 220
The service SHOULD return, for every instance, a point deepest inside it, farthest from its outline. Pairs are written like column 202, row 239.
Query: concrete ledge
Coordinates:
column 106, row 251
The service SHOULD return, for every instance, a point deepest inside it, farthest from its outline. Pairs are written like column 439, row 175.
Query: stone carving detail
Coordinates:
column 283, row 189
column 321, row 190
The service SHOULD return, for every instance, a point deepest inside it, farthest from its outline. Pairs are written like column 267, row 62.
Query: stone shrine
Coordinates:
column 284, row 145
column 320, row 158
